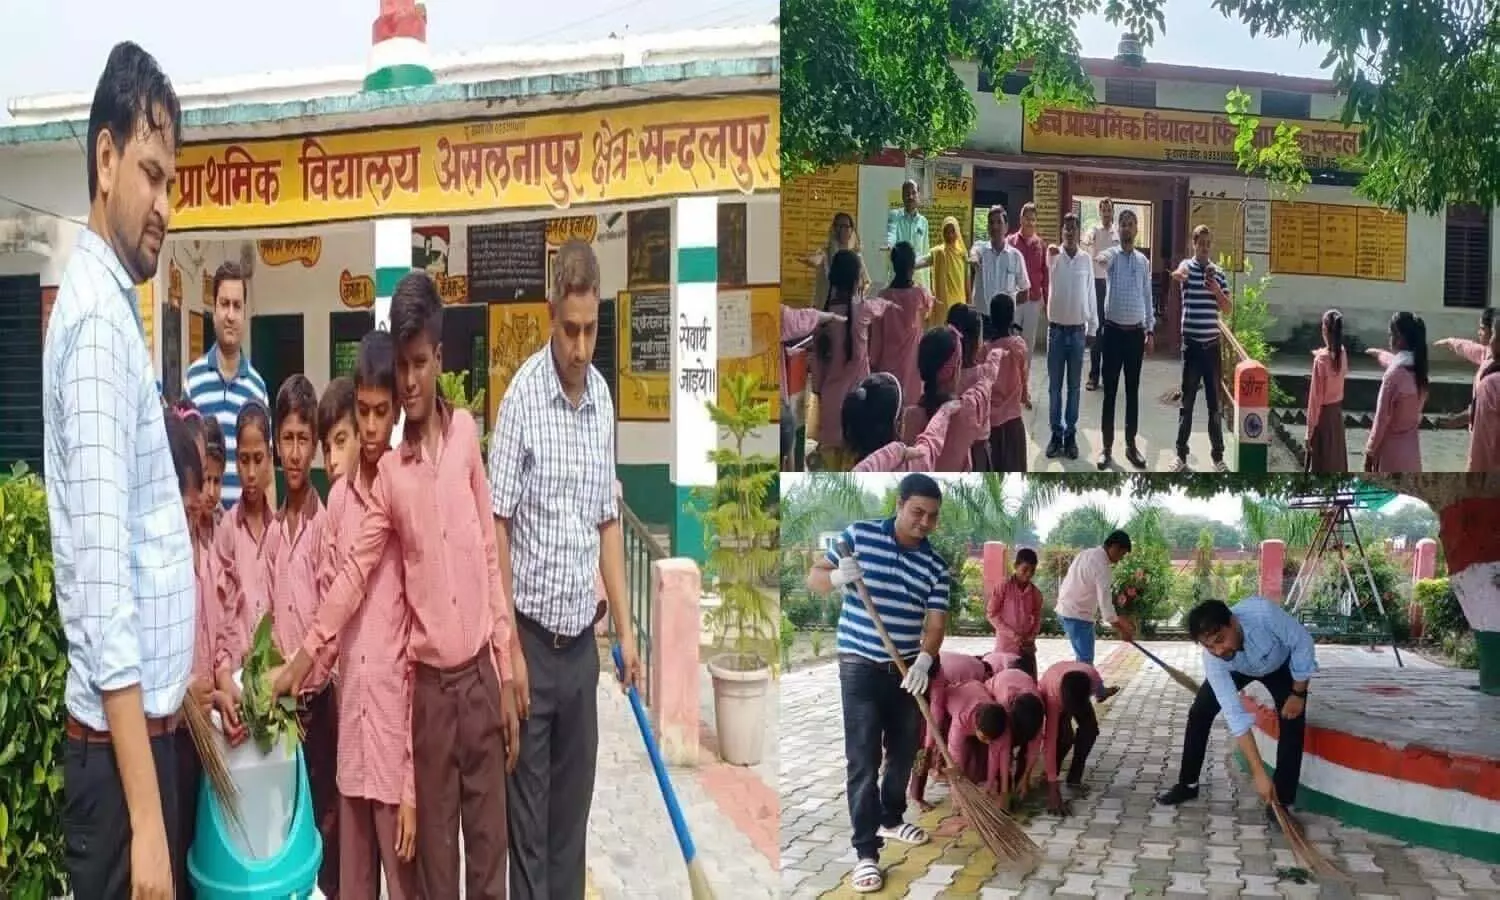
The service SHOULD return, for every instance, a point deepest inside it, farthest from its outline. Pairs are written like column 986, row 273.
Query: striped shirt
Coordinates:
column 207, row 389
column 1200, row 311
column 123, row 558
column 552, row 474
column 904, row 584
column 1272, row 639
column 1128, row 301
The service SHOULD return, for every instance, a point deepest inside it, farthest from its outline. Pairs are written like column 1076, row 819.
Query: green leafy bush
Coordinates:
column 1442, row 616
column 33, row 669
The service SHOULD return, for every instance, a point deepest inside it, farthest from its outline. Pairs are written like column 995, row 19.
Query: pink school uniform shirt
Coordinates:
column 375, row 671
column 1012, row 384
column 1015, row 611
column 963, row 701
column 1007, row 686
column 953, row 668
column 929, row 446
column 1394, row 439
column 833, row 378
column 293, row 563
column 1327, row 384
column 969, row 377
column 243, row 586
column 438, row 512
column 1476, row 353
column 206, row 629
column 965, row 428
column 1484, row 438
column 1050, row 687
column 795, row 324
column 900, row 329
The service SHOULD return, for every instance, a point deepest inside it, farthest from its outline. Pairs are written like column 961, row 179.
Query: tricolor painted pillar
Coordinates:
column 392, row 263
column 1473, row 553
column 695, row 367
column 1252, row 416
column 1423, row 566
column 1272, row 568
column 398, row 52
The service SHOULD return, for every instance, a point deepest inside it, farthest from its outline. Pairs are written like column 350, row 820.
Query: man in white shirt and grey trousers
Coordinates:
column 1087, row 586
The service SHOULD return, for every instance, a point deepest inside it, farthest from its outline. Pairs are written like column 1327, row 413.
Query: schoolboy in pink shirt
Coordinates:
column 975, row 722
column 1067, row 690
column 293, row 548
column 953, row 668
column 242, row 579
column 431, row 497
column 1014, row 610
column 1017, row 692
column 376, row 779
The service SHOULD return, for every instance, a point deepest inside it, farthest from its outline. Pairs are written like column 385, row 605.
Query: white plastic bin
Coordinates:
column 267, row 784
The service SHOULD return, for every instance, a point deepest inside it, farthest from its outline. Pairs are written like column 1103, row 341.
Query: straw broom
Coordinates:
column 1001, row 834
column 1187, row 681
column 215, row 768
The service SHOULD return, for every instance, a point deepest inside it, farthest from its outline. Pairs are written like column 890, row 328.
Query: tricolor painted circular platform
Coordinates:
column 1411, row 753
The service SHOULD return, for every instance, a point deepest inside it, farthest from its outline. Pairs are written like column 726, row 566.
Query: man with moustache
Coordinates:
column 1126, row 335
column 910, row 226
column 124, row 560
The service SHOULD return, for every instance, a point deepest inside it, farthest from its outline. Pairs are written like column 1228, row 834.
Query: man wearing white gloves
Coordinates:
column 908, row 582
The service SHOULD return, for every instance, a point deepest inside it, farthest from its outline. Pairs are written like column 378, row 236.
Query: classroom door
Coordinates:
column 276, row 350
column 21, row 372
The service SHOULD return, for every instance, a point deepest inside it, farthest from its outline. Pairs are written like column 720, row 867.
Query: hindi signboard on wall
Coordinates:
column 1338, row 241
column 808, row 205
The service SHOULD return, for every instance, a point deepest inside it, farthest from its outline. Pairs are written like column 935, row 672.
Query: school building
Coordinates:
column 327, row 186
column 1159, row 142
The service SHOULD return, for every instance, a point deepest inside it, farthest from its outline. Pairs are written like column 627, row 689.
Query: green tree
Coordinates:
column 858, row 76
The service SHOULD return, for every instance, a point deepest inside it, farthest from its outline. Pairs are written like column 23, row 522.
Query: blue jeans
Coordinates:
column 879, row 719
column 1064, row 356
column 1080, row 634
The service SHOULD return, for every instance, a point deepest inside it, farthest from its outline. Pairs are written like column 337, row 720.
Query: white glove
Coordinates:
column 847, row 573
column 916, row 679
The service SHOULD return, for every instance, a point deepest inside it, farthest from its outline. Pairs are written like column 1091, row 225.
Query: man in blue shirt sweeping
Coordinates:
column 1255, row 640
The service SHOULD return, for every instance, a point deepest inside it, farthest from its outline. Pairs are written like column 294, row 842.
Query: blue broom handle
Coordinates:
column 679, row 824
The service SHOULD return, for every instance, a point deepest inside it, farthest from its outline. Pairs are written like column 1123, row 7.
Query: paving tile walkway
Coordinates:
column 1117, row 843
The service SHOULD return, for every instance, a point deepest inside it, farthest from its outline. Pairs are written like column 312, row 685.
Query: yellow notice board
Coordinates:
column 517, row 330
column 764, row 338
column 808, row 205
column 146, row 302
column 1176, row 136
column 1338, row 241
column 1046, row 193
column 661, row 149
column 1225, row 219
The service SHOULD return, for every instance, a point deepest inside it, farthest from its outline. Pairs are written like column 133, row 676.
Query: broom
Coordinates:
column 697, row 878
column 1001, row 834
column 1176, row 674
column 1304, row 850
column 215, row 768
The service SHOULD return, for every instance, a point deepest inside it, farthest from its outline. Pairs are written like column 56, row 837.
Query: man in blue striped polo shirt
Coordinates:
column 223, row 381
column 908, row 583
column 1204, row 294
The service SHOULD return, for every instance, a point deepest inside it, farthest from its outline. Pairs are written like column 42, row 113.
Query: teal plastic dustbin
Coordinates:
column 218, row 871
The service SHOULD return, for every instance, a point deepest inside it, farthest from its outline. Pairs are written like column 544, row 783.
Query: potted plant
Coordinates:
column 741, row 530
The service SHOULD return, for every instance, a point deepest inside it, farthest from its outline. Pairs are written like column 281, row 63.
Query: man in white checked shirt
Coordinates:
column 557, row 526
column 124, row 561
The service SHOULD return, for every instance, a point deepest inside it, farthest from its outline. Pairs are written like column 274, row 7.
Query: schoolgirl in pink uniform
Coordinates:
column 1012, row 388
column 1395, row 443
column 872, row 420
column 1327, row 450
column 940, row 359
column 903, row 322
column 841, row 356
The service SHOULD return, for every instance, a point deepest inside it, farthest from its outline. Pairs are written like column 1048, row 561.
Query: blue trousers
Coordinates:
column 1064, row 359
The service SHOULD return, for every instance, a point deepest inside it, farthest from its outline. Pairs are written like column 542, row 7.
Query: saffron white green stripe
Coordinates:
column 1476, row 590
column 392, row 262
column 695, row 375
column 399, row 62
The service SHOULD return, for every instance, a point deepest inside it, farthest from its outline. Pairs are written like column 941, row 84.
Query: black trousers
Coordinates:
column 880, row 719
column 96, row 820
column 549, row 795
column 1081, row 742
column 1124, row 351
column 1288, row 748
column 1095, row 352
column 1201, row 365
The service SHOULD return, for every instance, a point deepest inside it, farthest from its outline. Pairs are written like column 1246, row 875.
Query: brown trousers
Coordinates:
column 318, row 717
column 367, row 842
column 458, row 747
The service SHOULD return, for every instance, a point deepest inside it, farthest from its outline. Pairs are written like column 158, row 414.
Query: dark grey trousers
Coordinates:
column 96, row 820
column 549, row 795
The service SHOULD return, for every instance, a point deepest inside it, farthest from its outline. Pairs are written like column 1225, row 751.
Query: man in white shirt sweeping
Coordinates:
column 1071, row 325
column 1087, row 587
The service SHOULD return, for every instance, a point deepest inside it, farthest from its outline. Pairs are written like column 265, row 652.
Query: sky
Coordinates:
column 60, row 45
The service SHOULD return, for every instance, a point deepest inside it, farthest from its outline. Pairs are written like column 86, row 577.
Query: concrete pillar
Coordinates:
column 1252, row 416
column 676, row 587
column 398, row 47
column 1423, row 566
column 995, row 566
column 1272, row 565
column 695, row 368
column 392, row 263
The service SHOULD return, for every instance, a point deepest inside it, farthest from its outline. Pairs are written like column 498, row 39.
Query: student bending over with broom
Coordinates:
column 952, row 669
column 1255, row 640
column 907, row 582
column 976, row 724
column 1015, row 758
column 1067, row 690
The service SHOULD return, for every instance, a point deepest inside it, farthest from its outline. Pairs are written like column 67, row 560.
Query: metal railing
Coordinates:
column 1231, row 354
column 641, row 550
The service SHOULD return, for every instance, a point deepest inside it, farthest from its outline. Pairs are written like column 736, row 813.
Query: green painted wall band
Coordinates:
column 386, row 279
column 697, row 265
column 401, row 76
